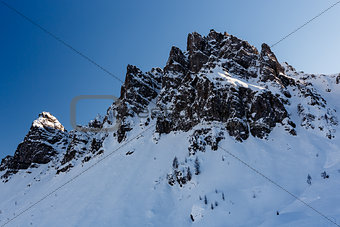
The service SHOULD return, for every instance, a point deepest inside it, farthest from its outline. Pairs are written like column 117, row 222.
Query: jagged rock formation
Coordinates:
column 218, row 79
column 44, row 141
column 192, row 96
column 136, row 94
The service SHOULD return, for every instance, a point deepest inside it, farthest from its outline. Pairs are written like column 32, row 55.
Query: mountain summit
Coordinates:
column 192, row 138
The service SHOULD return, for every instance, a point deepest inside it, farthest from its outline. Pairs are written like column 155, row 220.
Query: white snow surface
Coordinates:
column 47, row 120
column 132, row 190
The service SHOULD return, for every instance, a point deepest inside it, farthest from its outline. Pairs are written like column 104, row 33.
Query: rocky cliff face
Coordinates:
column 210, row 82
column 218, row 79
column 45, row 140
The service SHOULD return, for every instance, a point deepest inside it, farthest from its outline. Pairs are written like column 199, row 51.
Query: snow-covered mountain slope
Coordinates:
column 224, row 135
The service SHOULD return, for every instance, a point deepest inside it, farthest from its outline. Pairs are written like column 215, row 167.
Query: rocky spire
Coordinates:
column 176, row 69
column 138, row 90
column 41, row 144
column 177, row 62
column 198, row 52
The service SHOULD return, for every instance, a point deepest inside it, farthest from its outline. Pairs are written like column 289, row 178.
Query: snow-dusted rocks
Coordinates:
column 193, row 137
column 219, row 78
column 47, row 121
column 138, row 90
column 196, row 87
column 44, row 141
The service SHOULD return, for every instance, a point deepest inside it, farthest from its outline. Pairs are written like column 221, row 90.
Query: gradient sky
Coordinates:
column 39, row 74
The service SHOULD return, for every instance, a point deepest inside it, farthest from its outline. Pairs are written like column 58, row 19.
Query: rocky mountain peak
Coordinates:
column 223, row 78
column 46, row 139
column 177, row 62
column 47, row 121
column 195, row 43
column 220, row 79
column 140, row 88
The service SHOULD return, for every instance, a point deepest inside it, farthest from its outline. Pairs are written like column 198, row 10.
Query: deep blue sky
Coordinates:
column 39, row 74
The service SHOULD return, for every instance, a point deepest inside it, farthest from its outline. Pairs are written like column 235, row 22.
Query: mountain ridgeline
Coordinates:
column 219, row 80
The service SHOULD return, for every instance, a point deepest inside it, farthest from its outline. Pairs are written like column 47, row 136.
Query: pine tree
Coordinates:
column 175, row 163
column 212, row 206
column 223, row 196
column 189, row 175
column 309, row 179
column 197, row 166
column 205, row 200
column 324, row 175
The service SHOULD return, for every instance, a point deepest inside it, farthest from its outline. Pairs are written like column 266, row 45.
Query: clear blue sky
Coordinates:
column 39, row 74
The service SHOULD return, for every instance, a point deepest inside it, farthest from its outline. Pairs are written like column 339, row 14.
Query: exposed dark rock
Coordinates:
column 96, row 145
column 194, row 98
column 41, row 145
column 271, row 69
column 6, row 162
column 242, row 110
column 137, row 92
column 78, row 145
column 96, row 123
column 30, row 152
column 202, row 138
column 64, row 169
column 266, row 110
column 177, row 63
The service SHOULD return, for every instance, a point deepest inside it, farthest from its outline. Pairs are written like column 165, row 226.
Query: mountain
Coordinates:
column 223, row 135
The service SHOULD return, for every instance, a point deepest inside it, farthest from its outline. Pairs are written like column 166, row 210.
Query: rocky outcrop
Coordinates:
column 77, row 146
column 201, row 138
column 44, row 141
column 138, row 91
column 193, row 96
column 311, row 107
